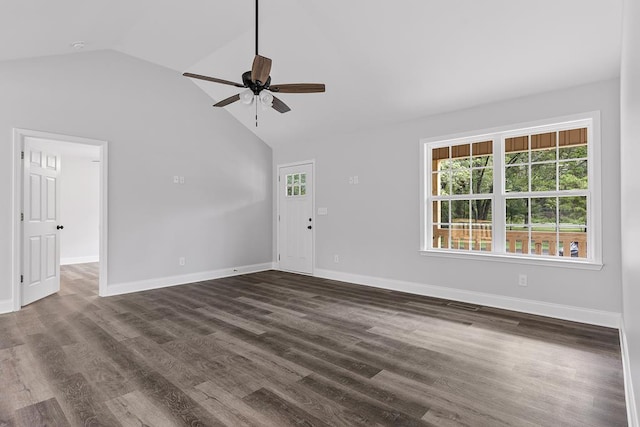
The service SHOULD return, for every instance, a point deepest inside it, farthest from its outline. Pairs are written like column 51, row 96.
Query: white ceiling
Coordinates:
column 382, row 61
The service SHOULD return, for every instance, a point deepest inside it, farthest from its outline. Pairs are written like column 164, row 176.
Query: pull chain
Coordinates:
column 257, row 100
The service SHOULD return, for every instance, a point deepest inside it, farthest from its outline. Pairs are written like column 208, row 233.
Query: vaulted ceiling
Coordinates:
column 382, row 61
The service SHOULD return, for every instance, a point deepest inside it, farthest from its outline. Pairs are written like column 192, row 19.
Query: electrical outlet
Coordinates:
column 522, row 280
column 336, row 258
column 350, row 180
column 176, row 179
column 182, row 261
column 182, row 180
column 355, row 180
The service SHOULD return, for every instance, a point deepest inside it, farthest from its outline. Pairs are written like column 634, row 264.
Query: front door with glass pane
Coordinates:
column 295, row 231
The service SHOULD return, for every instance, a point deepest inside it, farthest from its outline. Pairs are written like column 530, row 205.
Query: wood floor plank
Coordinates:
column 281, row 411
column 135, row 410
column 278, row 349
column 45, row 413
column 23, row 383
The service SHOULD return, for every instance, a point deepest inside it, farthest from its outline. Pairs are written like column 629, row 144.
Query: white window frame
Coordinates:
column 589, row 120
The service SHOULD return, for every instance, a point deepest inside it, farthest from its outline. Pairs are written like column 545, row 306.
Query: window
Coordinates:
column 296, row 184
column 525, row 193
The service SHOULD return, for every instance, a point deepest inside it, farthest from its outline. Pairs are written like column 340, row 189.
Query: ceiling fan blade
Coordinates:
column 228, row 101
column 261, row 69
column 213, row 79
column 298, row 88
column 280, row 106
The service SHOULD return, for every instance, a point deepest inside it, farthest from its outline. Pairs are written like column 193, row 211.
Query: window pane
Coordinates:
column 289, row 190
column 579, row 152
column 516, row 178
column 517, row 211
column 517, row 241
column 441, row 236
column 481, row 211
column 461, row 152
column 460, row 180
column 289, row 179
column 573, row 175
column 543, row 155
column 296, row 178
column 303, row 178
column 303, row 190
column 543, row 211
column 543, row 241
column 543, row 141
column 440, row 183
column 482, row 153
column 440, row 211
column 482, row 181
column 481, row 237
column 543, row 177
column 444, row 165
column 460, row 235
column 516, row 150
column 516, row 158
column 296, row 190
column 460, row 211
column 482, row 161
column 573, row 213
column 438, row 154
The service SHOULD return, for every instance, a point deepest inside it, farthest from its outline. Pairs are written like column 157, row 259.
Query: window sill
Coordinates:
column 515, row 259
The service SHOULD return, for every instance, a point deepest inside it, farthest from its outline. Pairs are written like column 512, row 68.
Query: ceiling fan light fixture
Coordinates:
column 266, row 99
column 246, row 97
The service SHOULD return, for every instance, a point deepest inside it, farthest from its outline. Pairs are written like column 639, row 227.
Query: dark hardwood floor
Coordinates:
column 278, row 349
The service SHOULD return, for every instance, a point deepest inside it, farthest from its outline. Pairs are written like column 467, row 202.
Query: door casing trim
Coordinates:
column 16, row 208
column 311, row 162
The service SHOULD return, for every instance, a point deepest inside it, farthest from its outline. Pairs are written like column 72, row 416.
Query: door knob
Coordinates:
column 60, row 227
column 309, row 227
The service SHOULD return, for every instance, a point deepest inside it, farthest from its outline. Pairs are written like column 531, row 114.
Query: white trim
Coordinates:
column 6, row 306
column 558, row 311
column 16, row 186
column 514, row 259
column 632, row 410
column 79, row 260
column 311, row 162
column 163, row 282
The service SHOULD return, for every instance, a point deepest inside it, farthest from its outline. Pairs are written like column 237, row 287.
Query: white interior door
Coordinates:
column 41, row 228
column 295, row 236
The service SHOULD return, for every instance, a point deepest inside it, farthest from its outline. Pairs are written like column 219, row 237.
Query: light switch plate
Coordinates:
column 323, row 211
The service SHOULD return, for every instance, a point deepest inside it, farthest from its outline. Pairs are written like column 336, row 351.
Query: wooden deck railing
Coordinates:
column 542, row 243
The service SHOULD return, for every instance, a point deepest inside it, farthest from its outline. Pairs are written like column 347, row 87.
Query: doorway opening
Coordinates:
column 40, row 207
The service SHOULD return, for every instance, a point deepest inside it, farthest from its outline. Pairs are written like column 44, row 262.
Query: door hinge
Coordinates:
column 278, row 178
column 21, row 278
column 22, row 155
column 278, row 217
column 21, row 216
column 278, row 257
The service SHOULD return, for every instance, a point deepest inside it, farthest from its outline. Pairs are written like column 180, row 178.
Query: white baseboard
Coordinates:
column 163, row 282
column 565, row 312
column 79, row 260
column 632, row 410
column 6, row 306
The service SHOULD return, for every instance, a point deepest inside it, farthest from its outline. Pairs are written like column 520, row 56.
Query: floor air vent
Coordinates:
column 468, row 307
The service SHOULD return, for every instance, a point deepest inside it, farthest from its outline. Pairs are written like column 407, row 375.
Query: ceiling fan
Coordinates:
column 257, row 83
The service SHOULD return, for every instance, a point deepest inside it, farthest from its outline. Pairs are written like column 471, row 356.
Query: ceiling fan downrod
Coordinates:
column 256, row 27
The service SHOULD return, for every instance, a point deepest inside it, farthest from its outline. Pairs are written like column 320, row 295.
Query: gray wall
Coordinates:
column 158, row 124
column 374, row 226
column 630, row 180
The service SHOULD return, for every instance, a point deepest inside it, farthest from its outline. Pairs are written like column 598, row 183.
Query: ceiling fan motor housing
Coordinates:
column 257, row 86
